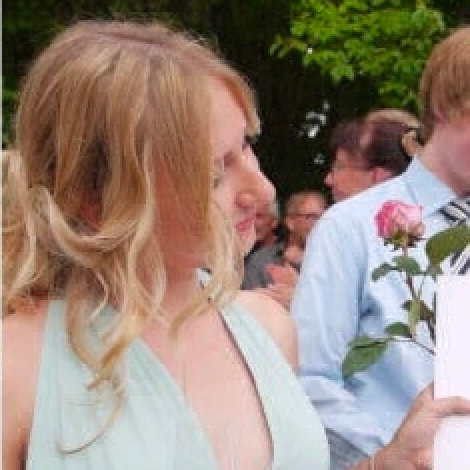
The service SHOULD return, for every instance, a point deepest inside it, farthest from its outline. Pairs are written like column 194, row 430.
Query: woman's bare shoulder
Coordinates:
column 275, row 319
column 22, row 330
column 22, row 333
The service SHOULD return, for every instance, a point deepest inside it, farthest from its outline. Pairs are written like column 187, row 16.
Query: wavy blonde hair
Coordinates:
column 103, row 109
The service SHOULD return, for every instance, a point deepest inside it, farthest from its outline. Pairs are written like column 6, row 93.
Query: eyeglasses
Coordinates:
column 338, row 166
column 306, row 215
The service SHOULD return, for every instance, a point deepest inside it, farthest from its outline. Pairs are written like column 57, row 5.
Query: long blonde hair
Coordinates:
column 103, row 109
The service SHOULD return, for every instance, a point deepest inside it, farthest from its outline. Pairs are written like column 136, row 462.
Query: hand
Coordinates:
column 282, row 293
column 293, row 254
column 282, row 274
column 284, row 279
column 412, row 446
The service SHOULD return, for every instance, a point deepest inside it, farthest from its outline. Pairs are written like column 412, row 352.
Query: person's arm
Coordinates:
column 412, row 446
column 21, row 353
column 281, row 293
column 284, row 277
column 282, row 274
column 13, row 431
column 326, row 308
column 276, row 321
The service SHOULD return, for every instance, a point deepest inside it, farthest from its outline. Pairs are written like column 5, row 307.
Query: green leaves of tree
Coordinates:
column 386, row 41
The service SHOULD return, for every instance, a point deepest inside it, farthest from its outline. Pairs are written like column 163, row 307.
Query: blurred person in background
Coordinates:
column 365, row 152
column 275, row 268
column 336, row 299
column 267, row 224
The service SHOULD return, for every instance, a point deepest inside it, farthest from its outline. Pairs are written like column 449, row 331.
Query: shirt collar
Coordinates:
column 427, row 190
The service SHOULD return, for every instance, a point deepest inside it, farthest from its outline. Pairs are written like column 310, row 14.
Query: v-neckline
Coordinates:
column 185, row 406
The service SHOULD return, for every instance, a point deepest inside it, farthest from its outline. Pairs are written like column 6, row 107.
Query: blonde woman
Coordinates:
column 127, row 136
column 132, row 170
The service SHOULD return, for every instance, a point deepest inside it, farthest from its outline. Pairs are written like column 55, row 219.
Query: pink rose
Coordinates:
column 395, row 218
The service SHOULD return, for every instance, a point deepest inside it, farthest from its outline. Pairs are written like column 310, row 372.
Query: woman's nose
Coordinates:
column 258, row 191
column 267, row 190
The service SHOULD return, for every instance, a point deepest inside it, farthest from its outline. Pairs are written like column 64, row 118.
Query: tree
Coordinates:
column 366, row 54
column 383, row 41
column 242, row 31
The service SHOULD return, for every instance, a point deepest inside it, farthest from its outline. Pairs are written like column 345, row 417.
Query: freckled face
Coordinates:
column 240, row 187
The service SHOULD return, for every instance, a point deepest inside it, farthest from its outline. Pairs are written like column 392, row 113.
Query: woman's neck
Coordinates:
column 181, row 290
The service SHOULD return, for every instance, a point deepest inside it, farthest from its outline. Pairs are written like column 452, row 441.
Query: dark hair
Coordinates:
column 346, row 136
column 374, row 142
column 380, row 145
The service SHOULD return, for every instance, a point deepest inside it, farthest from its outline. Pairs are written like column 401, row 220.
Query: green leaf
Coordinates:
column 425, row 313
column 364, row 341
column 445, row 243
column 408, row 265
column 434, row 271
column 360, row 358
column 420, row 308
column 413, row 307
column 398, row 329
column 382, row 270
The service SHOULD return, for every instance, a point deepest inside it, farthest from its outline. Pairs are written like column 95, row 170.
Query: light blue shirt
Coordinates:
column 335, row 300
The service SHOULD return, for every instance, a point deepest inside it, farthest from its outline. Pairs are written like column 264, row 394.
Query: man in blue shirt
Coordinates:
column 336, row 300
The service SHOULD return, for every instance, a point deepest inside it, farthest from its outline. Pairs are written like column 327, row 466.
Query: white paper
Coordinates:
column 452, row 369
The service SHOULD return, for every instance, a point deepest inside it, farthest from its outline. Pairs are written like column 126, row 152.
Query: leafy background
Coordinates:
column 312, row 62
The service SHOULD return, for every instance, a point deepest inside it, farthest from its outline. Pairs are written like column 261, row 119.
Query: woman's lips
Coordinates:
column 245, row 224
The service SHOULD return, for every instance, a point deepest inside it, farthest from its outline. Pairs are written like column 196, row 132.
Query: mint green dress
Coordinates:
column 144, row 433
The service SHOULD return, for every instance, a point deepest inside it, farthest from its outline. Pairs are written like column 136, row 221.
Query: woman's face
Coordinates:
column 239, row 186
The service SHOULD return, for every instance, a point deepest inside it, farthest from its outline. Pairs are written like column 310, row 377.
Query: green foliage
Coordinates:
column 407, row 265
column 386, row 41
column 364, row 352
column 444, row 243
column 398, row 329
column 402, row 263
column 413, row 308
column 287, row 90
column 382, row 270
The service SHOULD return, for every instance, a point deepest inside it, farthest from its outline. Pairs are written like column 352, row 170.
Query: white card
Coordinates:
column 452, row 369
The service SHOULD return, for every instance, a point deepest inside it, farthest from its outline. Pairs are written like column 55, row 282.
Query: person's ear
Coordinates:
column 380, row 174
